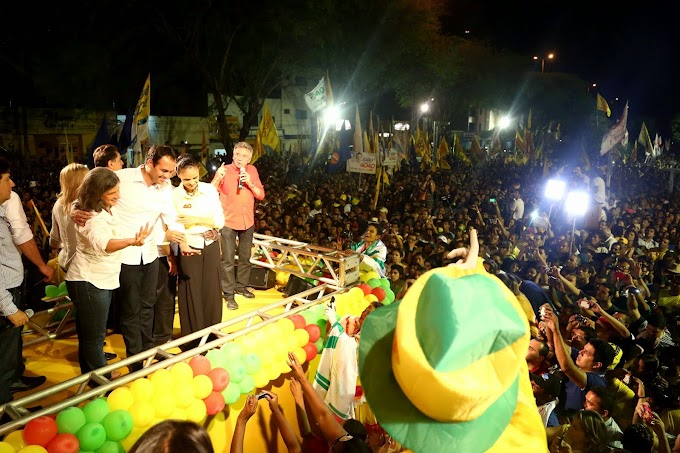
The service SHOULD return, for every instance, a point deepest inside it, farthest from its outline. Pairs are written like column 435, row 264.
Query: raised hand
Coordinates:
column 295, row 366
column 469, row 255
column 142, row 234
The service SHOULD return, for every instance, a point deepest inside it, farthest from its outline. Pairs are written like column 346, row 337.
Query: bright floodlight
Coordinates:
column 576, row 203
column 331, row 115
column 424, row 107
column 504, row 122
column 554, row 189
column 534, row 215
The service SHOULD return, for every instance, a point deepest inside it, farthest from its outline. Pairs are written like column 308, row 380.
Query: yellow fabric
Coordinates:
column 671, row 420
column 529, row 312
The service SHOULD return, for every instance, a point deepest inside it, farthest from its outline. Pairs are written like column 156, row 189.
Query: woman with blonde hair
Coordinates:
column 63, row 237
column 587, row 433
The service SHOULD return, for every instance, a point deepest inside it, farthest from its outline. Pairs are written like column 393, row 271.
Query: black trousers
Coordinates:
column 164, row 312
column 137, row 304
column 200, row 296
column 11, row 363
column 235, row 280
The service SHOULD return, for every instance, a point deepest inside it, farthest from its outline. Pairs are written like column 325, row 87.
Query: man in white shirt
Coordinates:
column 145, row 197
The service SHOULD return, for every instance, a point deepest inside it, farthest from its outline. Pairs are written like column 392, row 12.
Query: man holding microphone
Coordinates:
column 239, row 186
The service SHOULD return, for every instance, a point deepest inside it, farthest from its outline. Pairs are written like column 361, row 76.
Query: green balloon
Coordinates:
column 319, row 345
column 373, row 283
column 110, row 446
column 216, row 359
column 91, row 436
column 232, row 393
column 96, row 410
column 62, row 290
column 237, row 370
column 252, row 362
column 70, row 420
column 384, row 283
column 232, row 351
column 118, row 425
column 247, row 384
column 389, row 295
column 51, row 291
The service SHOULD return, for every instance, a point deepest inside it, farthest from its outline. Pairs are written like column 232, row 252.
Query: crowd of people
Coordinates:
column 601, row 293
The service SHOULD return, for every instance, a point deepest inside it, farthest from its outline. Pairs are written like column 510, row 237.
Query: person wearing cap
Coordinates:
column 546, row 388
column 440, row 377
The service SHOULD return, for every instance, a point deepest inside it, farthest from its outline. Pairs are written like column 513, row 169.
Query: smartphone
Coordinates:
column 626, row 379
column 261, row 395
column 492, row 200
column 584, row 304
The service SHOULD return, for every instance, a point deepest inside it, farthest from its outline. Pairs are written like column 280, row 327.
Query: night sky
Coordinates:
column 628, row 50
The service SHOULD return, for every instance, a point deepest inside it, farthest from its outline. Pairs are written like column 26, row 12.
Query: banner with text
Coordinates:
column 363, row 163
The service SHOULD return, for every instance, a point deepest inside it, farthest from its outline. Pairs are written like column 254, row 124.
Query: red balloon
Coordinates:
column 310, row 350
column 379, row 293
column 314, row 332
column 298, row 321
column 40, row 431
column 219, row 378
column 366, row 288
column 200, row 365
column 64, row 443
column 214, row 403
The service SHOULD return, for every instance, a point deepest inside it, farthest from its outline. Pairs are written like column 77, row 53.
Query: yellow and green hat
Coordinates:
column 444, row 369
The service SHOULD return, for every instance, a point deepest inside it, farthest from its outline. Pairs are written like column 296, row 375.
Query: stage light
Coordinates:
column 576, row 203
column 554, row 189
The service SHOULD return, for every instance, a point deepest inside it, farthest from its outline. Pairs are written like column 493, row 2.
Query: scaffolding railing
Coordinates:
column 159, row 357
column 50, row 324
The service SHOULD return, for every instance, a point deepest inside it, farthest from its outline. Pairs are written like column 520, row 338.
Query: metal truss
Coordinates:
column 159, row 357
column 46, row 327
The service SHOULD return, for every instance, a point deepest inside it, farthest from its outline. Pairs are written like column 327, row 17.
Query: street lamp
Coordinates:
column 424, row 107
column 549, row 56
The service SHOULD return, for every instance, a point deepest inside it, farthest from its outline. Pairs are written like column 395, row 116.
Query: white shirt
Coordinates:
column 138, row 205
column 18, row 224
column 91, row 262
column 63, row 234
column 205, row 202
column 517, row 209
column 615, row 433
column 546, row 409
column 599, row 190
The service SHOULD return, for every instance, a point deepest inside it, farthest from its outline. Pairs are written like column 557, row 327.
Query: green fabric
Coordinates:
column 401, row 419
column 464, row 332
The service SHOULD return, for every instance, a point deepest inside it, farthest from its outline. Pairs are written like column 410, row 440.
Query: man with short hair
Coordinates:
column 108, row 156
column 536, row 356
column 601, row 400
column 11, row 278
column 239, row 186
column 145, row 198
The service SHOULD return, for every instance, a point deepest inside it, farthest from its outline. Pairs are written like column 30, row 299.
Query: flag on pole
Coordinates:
column 645, row 140
column 204, row 150
column 329, row 91
column 269, row 136
column 358, row 135
column 476, row 149
column 318, row 97
column 658, row 145
column 519, row 142
column 102, row 138
column 413, row 156
column 602, row 105
column 615, row 134
column 442, row 154
column 496, row 146
column 529, row 120
column 140, row 122
column 458, row 149
column 633, row 155
column 341, row 152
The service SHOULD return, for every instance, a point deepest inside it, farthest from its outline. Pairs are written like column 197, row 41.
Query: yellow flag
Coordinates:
column 645, row 140
column 258, row 150
column 529, row 120
column 140, row 121
column 458, row 149
column 602, row 105
column 442, row 154
column 476, row 149
column 269, row 137
column 385, row 177
column 367, row 144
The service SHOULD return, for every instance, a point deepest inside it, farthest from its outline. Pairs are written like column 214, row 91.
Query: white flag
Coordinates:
column 316, row 99
column 616, row 134
column 358, row 135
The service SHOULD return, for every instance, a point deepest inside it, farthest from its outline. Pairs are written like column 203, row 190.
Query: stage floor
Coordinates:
column 58, row 359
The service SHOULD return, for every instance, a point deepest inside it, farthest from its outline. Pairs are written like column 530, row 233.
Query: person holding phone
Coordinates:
column 371, row 249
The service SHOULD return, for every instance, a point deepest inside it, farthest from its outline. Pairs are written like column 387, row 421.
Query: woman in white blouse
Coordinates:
column 93, row 273
column 198, row 207
column 63, row 236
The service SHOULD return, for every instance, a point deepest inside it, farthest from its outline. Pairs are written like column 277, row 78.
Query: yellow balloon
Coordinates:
column 266, row 356
column 142, row 413
column 286, row 326
column 355, row 293
column 182, row 373
column 300, row 354
column 261, row 378
column 133, row 437
column 15, row 439
column 202, row 386
column 285, row 369
column 163, row 405
column 178, row 414
column 371, row 298
column 273, row 371
column 33, row 449
column 120, row 399
column 184, row 396
column 6, row 448
column 162, row 381
column 301, row 337
column 142, row 389
column 196, row 411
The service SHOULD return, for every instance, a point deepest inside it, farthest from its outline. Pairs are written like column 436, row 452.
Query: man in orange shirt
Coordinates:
column 239, row 186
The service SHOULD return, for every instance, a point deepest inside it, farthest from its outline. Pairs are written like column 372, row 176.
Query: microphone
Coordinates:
column 29, row 312
column 242, row 171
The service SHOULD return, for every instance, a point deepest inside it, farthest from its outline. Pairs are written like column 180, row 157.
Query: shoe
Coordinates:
column 231, row 303
column 26, row 383
column 110, row 355
column 245, row 292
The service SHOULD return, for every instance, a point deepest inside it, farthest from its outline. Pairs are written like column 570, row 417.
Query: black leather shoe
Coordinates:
column 110, row 356
column 245, row 292
column 26, row 383
column 231, row 303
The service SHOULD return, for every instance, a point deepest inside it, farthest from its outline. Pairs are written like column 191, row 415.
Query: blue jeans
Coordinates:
column 92, row 310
